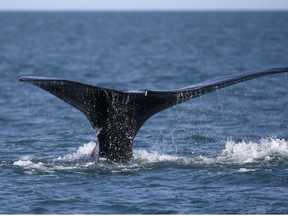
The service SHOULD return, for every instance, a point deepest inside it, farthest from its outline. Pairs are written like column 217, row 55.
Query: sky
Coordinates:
column 144, row 5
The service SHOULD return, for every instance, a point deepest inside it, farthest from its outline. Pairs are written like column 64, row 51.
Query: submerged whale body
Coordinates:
column 116, row 116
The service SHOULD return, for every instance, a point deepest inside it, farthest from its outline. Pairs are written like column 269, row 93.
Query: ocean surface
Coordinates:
column 225, row 152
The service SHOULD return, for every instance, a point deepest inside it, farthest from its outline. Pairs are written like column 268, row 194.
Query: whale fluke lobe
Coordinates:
column 116, row 116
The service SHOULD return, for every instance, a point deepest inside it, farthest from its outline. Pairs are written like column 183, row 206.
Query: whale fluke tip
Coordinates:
column 22, row 79
column 34, row 78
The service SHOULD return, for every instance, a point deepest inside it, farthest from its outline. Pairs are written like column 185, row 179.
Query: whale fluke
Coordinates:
column 117, row 116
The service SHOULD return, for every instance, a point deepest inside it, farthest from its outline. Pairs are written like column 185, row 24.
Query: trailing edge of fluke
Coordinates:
column 117, row 116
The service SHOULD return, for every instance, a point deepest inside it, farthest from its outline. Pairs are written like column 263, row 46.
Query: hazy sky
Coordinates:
column 143, row 4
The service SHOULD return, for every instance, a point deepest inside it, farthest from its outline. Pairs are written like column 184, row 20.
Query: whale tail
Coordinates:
column 117, row 116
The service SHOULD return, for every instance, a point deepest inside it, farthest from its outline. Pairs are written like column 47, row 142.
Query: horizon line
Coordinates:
column 146, row 10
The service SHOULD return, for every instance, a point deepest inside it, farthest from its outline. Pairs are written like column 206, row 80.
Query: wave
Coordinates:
column 266, row 152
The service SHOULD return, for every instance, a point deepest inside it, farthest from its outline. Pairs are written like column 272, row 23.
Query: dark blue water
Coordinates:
column 226, row 152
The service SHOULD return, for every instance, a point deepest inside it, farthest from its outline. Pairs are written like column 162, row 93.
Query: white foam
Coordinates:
column 26, row 162
column 246, row 152
column 23, row 163
column 82, row 152
column 246, row 170
column 153, row 157
column 234, row 153
column 31, row 166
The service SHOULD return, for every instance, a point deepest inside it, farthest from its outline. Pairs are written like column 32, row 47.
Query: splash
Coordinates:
column 84, row 151
column 240, row 154
column 69, row 162
column 247, row 152
column 233, row 153
column 142, row 155
column 27, row 161
column 29, row 165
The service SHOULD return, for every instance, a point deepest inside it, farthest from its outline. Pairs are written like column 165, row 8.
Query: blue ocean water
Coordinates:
column 225, row 152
